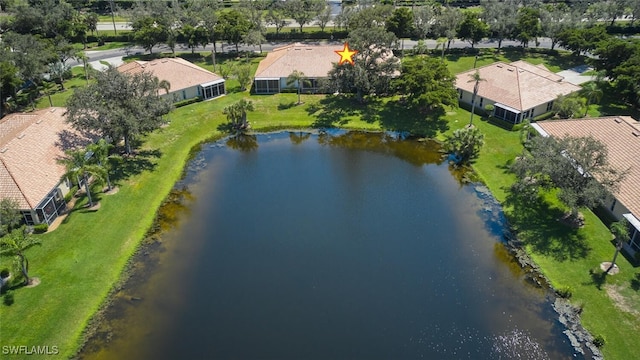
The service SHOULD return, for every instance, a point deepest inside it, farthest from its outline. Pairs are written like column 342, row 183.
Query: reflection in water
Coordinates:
column 416, row 153
column 331, row 249
column 243, row 142
column 298, row 137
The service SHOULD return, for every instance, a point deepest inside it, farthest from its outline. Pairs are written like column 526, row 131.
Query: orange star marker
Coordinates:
column 346, row 55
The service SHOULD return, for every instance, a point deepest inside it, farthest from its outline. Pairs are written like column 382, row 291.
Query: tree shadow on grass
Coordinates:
column 335, row 110
column 391, row 115
column 142, row 160
column 397, row 116
column 537, row 225
column 635, row 282
column 598, row 278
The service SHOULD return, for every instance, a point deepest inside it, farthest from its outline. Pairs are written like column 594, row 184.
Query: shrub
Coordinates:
column 565, row 292
column 599, row 341
column 187, row 102
column 40, row 228
column 8, row 299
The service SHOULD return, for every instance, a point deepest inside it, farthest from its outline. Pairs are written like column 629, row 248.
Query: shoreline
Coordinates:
column 567, row 314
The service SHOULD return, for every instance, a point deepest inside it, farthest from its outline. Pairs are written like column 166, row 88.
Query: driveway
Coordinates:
column 575, row 75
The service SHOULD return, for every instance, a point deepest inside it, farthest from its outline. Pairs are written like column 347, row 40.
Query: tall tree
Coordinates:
column 242, row 73
column 276, row 16
column 528, row 26
column 304, row 11
column 423, row 19
column 592, row 93
column 10, row 216
column 472, row 29
column 324, row 16
column 118, row 105
column 476, row 79
column 620, row 232
column 15, row 245
column 194, row 36
column 568, row 106
column 447, row 23
column 577, row 166
column 580, row 40
column 501, row 18
column 374, row 65
column 102, row 157
column 148, row 33
column 428, row 84
column 298, row 79
column 235, row 27
column 401, row 23
column 80, row 165
column 555, row 18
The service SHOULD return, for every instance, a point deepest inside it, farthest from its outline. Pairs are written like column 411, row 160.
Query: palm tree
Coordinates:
column 474, row 77
column 298, row 78
column 620, row 231
column 14, row 245
column 237, row 114
column 81, row 56
column 101, row 155
column 165, row 85
column 593, row 93
column 78, row 164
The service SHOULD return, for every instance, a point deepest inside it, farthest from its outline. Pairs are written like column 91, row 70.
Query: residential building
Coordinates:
column 517, row 91
column 186, row 80
column 30, row 145
column 621, row 136
column 315, row 61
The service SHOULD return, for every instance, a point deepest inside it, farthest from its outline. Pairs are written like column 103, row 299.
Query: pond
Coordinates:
column 338, row 245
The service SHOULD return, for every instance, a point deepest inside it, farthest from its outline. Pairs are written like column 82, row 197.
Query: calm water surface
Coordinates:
column 337, row 246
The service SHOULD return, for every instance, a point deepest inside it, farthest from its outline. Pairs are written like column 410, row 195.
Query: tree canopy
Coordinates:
column 427, row 83
column 577, row 166
column 118, row 105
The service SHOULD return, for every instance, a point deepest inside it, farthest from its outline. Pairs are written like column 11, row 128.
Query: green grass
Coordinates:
column 79, row 262
column 107, row 18
column 460, row 61
column 60, row 97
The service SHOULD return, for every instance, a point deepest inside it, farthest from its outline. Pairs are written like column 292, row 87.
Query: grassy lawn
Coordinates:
column 79, row 262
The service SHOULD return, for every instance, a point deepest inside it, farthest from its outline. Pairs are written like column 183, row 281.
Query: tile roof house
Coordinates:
column 315, row 61
column 621, row 135
column 518, row 90
column 187, row 80
column 30, row 144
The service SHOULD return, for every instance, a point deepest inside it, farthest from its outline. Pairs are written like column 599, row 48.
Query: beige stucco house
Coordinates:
column 315, row 61
column 30, row 144
column 187, row 80
column 621, row 135
column 518, row 90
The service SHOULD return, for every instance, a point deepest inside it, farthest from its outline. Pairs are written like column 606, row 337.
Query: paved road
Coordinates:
column 408, row 44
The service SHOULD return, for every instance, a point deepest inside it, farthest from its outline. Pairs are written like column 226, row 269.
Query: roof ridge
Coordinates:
column 16, row 183
column 518, row 87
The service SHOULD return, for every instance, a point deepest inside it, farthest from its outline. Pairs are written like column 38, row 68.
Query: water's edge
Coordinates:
column 137, row 264
column 568, row 314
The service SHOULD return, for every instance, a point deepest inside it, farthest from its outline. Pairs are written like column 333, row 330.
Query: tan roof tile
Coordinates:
column 180, row 73
column 29, row 170
column 519, row 85
column 315, row 61
column 621, row 135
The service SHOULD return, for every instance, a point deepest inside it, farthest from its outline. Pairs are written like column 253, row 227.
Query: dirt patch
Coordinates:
column 574, row 222
column 114, row 190
column 620, row 301
column 33, row 282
